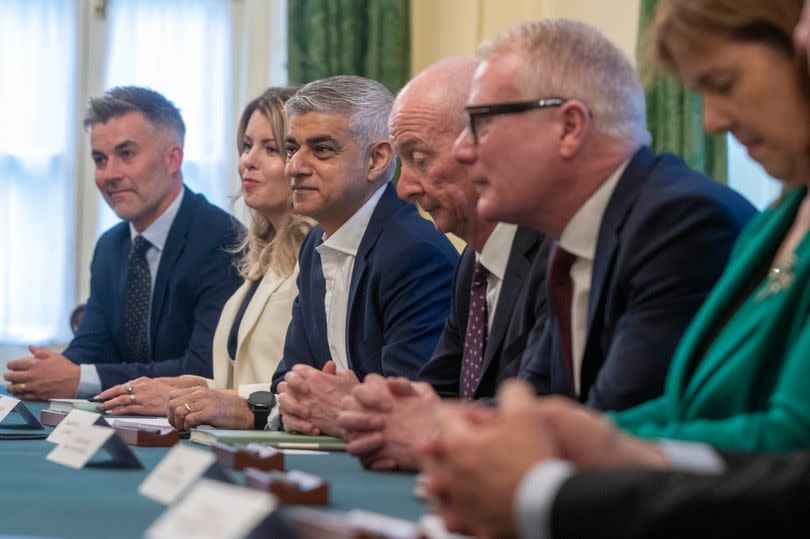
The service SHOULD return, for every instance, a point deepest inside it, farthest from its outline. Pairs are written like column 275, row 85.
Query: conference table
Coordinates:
column 43, row 499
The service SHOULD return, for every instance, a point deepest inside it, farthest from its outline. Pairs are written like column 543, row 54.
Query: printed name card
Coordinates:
column 10, row 404
column 215, row 509
column 76, row 419
column 179, row 469
column 83, row 442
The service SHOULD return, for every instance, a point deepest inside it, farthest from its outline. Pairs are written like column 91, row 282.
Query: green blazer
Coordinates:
column 739, row 379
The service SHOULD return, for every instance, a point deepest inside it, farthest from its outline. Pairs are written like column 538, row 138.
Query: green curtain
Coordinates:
column 349, row 37
column 675, row 116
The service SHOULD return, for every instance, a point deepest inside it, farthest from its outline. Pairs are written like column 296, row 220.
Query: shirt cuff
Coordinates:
column 274, row 419
column 89, row 381
column 692, row 457
column 535, row 496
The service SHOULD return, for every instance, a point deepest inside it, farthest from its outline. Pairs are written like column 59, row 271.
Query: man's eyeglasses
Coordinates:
column 474, row 112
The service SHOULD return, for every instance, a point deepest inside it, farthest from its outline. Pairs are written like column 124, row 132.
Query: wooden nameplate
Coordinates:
column 239, row 457
column 291, row 488
column 51, row 418
column 147, row 436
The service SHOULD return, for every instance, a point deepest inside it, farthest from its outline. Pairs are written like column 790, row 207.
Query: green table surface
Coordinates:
column 44, row 499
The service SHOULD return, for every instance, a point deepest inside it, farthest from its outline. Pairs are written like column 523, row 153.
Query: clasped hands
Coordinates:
column 310, row 400
column 476, row 460
column 45, row 375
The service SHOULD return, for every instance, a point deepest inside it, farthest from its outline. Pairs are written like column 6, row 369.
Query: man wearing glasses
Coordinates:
column 556, row 140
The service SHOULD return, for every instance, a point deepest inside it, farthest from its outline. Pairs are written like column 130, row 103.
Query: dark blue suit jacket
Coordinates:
column 759, row 496
column 398, row 297
column 663, row 242
column 521, row 305
column 195, row 278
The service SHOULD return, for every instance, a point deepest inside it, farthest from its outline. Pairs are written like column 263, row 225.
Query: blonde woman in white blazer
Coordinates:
column 249, row 338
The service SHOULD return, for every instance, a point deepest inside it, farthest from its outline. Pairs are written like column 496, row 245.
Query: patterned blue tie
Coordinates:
column 136, row 304
column 475, row 341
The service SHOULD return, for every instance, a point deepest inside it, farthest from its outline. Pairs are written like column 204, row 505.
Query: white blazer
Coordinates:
column 261, row 334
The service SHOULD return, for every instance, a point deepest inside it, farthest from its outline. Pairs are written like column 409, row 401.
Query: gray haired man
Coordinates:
column 375, row 278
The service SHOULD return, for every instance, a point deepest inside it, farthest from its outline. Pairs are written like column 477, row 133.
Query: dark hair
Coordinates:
column 122, row 100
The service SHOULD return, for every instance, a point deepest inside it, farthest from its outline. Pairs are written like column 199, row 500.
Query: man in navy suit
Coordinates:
column 394, row 417
column 159, row 279
column 640, row 238
column 375, row 279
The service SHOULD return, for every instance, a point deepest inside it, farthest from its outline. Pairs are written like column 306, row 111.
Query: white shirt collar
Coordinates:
column 158, row 231
column 582, row 232
column 495, row 254
column 347, row 238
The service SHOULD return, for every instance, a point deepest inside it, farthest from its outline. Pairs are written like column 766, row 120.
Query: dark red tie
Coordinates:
column 561, row 292
column 475, row 340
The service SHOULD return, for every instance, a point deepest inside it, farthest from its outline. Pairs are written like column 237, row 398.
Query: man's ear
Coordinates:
column 379, row 157
column 174, row 158
column 576, row 124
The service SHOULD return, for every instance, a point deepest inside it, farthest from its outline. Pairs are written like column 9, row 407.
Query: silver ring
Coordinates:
column 128, row 387
column 132, row 398
column 187, row 406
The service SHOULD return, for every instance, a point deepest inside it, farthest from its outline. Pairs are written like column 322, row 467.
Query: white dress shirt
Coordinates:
column 338, row 253
column 494, row 257
column 156, row 233
column 579, row 238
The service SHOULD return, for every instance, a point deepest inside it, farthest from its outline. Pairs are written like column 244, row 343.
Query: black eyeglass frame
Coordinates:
column 494, row 109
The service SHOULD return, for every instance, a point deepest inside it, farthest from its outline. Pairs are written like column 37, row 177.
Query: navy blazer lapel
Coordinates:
column 620, row 205
column 388, row 204
column 119, row 277
column 317, row 289
column 515, row 276
column 175, row 244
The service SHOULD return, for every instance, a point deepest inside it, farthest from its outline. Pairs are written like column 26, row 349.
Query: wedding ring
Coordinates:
column 132, row 398
column 22, row 387
column 128, row 387
column 187, row 406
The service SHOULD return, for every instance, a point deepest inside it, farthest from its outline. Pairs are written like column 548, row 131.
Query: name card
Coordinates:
column 85, row 441
column 179, row 469
column 74, row 420
column 10, row 404
column 214, row 509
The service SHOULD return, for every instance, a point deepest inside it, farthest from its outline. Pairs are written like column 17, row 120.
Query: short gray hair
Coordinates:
column 366, row 102
column 121, row 100
column 573, row 60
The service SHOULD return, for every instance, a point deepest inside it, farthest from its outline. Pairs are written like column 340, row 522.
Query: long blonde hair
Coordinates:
column 265, row 247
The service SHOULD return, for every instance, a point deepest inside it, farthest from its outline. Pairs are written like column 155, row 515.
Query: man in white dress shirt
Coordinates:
column 375, row 278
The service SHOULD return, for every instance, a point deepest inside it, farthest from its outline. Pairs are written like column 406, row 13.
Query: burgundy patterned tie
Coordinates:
column 475, row 341
column 561, row 291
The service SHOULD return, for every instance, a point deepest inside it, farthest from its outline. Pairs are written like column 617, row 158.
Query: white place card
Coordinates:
column 213, row 509
column 177, row 472
column 395, row 528
column 74, row 420
column 10, row 404
column 85, row 441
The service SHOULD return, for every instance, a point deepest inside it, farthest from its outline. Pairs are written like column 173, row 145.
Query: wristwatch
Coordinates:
column 261, row 403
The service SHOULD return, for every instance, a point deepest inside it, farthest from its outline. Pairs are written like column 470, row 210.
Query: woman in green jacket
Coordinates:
column 739, row 379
